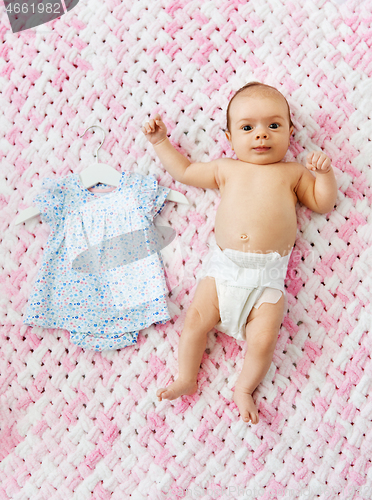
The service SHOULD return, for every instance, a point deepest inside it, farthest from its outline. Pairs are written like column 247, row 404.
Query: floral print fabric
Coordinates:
column 101, row 277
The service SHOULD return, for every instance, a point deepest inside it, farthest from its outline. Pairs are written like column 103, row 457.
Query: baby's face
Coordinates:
column 259, row 128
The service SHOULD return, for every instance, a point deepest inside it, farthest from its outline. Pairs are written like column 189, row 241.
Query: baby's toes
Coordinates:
column 254, row 417
column 246, row 416
column 161, row 393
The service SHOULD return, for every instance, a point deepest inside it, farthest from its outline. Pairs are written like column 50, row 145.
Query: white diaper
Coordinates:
column 243, row 280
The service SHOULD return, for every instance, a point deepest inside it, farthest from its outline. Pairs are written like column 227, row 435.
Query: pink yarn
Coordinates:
column 86, row 425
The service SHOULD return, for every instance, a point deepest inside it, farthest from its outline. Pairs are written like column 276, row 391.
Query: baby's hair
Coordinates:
column 257, row 88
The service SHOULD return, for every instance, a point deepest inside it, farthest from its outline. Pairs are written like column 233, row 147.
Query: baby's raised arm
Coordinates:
column 317, row 192
column 181, row 169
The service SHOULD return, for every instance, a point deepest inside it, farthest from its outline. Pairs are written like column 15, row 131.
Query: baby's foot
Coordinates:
column 176, row 389
column 244, row 401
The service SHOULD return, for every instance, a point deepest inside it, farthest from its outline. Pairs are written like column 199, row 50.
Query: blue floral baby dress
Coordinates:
column 102, row 276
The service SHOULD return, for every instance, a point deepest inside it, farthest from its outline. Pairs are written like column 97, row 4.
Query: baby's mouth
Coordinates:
column 261, row 149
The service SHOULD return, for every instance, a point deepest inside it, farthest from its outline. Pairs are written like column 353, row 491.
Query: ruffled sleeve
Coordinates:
column 161, row 195
column 50, row 202
column 152, row 196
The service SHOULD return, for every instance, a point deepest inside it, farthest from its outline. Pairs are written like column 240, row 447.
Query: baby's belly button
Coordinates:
column 244, row 236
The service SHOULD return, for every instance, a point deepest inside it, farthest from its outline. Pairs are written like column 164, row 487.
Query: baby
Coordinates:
column 242, row 285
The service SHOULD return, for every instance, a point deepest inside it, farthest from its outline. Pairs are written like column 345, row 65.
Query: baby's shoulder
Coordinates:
column 225, row 161
column 223, row 170
column 295, row 166
column 225, row 164
column 295, row 169
column 295, row 172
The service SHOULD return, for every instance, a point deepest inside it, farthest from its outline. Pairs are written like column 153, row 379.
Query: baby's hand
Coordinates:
column 319, row 162
column 155, row 130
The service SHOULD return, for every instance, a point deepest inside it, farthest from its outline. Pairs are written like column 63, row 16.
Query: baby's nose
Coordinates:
column 261, row 134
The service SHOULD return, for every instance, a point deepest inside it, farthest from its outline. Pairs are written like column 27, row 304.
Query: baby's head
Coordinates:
column 257, row 89
column 259, row 124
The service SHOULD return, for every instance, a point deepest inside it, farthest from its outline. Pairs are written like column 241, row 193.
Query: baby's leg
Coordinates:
column 201, row 317
column 261, row 333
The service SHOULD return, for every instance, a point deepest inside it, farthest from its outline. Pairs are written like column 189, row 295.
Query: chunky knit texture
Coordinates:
column 84, row 425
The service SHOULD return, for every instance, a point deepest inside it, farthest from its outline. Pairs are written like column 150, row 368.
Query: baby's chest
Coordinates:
column 258, row 186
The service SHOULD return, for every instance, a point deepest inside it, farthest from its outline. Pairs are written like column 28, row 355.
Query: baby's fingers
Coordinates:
column 311, row 161
column 149, row 127
column 321, row 161
column 325, row 163
column 318, row 161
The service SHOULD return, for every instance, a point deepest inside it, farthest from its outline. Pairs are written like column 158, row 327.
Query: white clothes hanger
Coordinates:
column 94, row 174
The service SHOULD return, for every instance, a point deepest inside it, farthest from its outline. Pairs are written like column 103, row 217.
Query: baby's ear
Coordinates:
column 228, row 137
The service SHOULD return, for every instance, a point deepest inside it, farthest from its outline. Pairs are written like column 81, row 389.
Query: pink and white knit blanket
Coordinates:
column 82, row 425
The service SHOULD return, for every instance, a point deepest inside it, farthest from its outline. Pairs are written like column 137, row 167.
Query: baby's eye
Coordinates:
column 274, row 125
column 247, row 128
